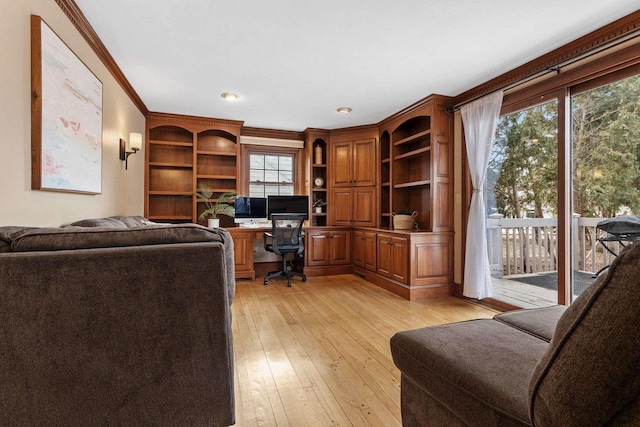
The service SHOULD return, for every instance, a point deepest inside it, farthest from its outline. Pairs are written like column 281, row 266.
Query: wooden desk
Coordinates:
column 327, row 250
column 243, row 238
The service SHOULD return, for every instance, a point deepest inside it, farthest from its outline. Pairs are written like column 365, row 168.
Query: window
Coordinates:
column 521, row 195
column 271, row 174
column 605, row 173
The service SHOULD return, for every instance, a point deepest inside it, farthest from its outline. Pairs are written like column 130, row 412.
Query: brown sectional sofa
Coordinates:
column 118, row 322
column 578, row 366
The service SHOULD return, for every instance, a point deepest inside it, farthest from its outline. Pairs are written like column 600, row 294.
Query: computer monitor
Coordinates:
column 250, row 209
column 294, row 205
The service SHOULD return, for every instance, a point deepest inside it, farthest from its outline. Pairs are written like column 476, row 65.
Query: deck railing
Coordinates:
column 530, row 245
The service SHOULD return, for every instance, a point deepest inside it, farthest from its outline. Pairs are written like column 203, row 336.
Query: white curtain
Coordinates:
column 480, row 119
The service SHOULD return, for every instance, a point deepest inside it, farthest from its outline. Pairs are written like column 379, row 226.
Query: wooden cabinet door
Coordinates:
column 359, row 248
column 364, row 161
column 385, row 253
column 341, row 206
column 241, row 244
column 317, row 246
column 400, row 259
column 364, row 206
column 370, row 259
column 393, row 257
column 340, row 247
column 243, row 253
column 341, row 159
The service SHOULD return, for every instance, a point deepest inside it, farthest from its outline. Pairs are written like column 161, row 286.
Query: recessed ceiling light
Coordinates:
column 230, row 96
column 344, row 110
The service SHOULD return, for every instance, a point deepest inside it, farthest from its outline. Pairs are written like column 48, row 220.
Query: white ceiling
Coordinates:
column 293, row 62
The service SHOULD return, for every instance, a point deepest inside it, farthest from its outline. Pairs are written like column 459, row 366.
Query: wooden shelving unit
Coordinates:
column 181, row 153
column 416, row 165
column 317, row 146
column 385, row 180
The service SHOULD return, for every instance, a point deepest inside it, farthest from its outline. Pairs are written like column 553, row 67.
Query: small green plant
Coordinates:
column 221, row 206
column 319, row 203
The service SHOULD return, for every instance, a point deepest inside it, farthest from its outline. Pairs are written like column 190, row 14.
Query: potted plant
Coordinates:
column 221, row 206
column 318, row 204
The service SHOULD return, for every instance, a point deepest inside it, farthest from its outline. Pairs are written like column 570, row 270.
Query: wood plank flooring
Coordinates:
column 317, row 354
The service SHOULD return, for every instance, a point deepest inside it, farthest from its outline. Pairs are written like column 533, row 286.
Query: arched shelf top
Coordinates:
column 413, row 126
column 171, row 133
column 217, row 133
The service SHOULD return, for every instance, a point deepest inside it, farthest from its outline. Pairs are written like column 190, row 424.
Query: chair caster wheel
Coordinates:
column 266, row 283
column 304, row 278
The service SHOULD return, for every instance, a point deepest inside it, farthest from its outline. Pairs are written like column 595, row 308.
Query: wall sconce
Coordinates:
column 135, row 144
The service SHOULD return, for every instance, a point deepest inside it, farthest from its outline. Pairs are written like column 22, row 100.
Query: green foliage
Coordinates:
column 523, row 169
column 606, row 149
column 220, row 206
column 605, row 137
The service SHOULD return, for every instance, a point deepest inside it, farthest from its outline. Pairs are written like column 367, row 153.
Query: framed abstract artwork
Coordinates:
column 66, row 117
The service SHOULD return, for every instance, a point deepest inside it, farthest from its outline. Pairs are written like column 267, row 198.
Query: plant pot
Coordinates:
column 318, row 210
column 213, row 222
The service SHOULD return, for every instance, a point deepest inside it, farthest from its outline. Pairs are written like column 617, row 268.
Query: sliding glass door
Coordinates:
column 600, row 173
column 605, row 175
column 521, row 195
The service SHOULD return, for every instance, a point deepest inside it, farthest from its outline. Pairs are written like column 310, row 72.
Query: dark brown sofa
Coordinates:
column 128, row 325
column 578, row 366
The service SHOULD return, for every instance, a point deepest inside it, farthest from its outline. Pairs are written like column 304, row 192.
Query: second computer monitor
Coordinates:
column 294, row 205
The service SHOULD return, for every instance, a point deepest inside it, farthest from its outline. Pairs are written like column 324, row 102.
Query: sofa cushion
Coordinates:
column 539, row 322
column 5, row 236
column 25, row 239
column 590, row 373
column 114, row 222
column 479, row 369
column 69, row 238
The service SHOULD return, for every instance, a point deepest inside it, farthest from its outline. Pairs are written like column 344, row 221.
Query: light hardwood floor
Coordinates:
column 317, row 354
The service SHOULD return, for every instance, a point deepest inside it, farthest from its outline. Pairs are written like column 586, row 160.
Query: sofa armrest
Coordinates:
column 137, row 335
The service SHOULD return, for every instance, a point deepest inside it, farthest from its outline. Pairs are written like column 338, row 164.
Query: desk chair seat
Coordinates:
column 286, row 237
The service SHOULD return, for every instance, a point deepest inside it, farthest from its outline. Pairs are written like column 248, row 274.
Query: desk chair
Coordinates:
column 286, row 237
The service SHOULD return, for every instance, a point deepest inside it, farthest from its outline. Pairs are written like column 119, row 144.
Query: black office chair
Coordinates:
column 286, row 237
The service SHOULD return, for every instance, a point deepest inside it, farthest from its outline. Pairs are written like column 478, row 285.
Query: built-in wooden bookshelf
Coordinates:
column 183, row 152
column 416, row 165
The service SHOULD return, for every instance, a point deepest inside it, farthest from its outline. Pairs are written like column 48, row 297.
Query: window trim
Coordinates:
column 248, row 149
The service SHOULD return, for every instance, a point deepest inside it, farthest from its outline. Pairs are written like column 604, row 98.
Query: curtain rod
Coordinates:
column 556, row 68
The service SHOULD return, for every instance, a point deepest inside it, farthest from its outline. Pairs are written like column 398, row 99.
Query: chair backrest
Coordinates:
column 287, row 233
column 590, row 375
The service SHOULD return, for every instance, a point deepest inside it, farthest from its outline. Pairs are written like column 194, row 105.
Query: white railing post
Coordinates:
column 577, row 236
column 494, row 243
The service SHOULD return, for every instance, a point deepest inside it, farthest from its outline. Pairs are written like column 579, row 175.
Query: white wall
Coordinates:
column 122, row 190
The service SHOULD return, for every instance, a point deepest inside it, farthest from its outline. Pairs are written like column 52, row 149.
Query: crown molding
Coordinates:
column 423, row 106
column 609, row 33
column 77, row 18
column 201, row 123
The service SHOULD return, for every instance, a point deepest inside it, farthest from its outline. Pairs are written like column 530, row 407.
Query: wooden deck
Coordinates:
column 523, row 295
column 519, row 291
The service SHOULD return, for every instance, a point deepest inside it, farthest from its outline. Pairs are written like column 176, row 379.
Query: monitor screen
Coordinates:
column 289, row 204
column 250, row 208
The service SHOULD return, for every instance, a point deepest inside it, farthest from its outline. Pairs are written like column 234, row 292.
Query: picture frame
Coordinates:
column 66, row 116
